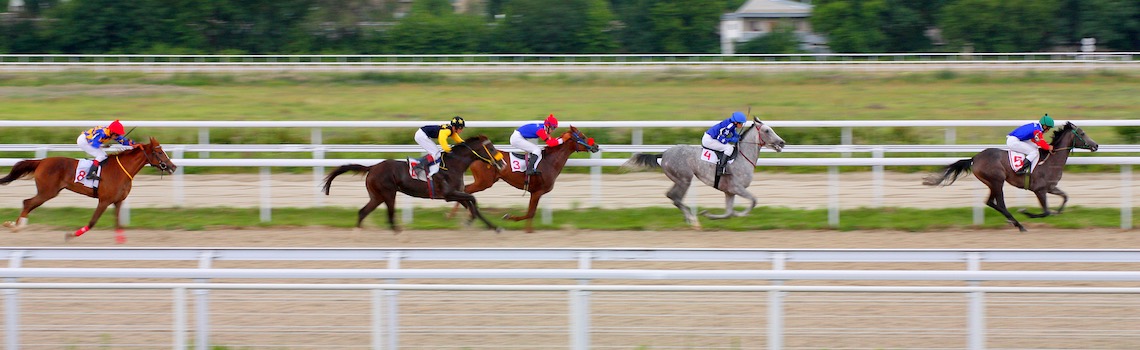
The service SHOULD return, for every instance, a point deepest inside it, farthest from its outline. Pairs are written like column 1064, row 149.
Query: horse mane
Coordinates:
column 1060, row 132
column 479, row 138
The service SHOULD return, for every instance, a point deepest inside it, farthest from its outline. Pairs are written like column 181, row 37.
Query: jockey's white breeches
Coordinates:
column 711, row 143
column 1026, row 147
column 428, row 144
column 96, row 152
column 519, row 141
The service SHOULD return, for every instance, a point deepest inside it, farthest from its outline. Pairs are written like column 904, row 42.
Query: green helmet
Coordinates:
column 1046, row 121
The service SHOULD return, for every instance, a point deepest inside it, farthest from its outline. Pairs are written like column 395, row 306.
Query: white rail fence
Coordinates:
column 392, row 314
column 571, row 63
column 319, row 151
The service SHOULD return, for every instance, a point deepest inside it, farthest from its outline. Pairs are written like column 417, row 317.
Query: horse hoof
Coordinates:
column 498, row 230
column 505, row 216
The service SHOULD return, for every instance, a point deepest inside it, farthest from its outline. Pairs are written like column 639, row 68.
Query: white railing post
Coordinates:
column 316, row 140
column 833, row 196
column 1126, row 197
column 203, row 139
column 976, row 313
column 179, row 318
column 266, row 197
column 776, row 306
column 378, row 319
column 596, row 182
column 179, row 181
column 202, row 304
column 877, row 179
column 12, row 304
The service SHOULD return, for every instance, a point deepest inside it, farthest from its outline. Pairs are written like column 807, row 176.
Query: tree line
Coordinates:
column 544, row 26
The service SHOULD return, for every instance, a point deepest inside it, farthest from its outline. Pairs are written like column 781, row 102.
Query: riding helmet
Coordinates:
column 458, row 122
column 551, row 122
column 739, row 117
column 116, row 127
column 1047, row 121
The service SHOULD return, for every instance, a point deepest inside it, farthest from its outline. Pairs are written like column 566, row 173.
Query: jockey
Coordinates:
column 721, row 138
column 543, row 131
column 439, row 133
column 1027, row 138
column 95, row 139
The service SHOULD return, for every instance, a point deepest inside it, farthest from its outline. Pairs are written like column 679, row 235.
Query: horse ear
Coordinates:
column 757, row 120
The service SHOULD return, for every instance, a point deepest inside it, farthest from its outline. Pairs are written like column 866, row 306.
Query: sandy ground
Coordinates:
column 857, row 189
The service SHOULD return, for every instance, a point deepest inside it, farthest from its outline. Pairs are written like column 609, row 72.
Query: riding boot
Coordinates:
column 722, row 164
column 91, row 171
column 532, row 165
column 1024, row 169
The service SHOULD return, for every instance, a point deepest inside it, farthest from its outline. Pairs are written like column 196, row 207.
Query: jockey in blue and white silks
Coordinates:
column 543, row 131
column 95, row 139
column 1027, row 138
column 722, row 137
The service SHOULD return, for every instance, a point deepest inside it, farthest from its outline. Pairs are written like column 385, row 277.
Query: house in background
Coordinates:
column 757, row 18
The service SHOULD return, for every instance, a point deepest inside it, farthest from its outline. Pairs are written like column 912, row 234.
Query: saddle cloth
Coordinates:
column 81, row 173
column 518, row 162
column 1016, row 159
column 709, row 155
column 417, row 173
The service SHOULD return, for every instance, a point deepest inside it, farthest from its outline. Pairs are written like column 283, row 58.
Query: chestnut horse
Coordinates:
column 53, row 174
column 386, row 178
column 553, row 159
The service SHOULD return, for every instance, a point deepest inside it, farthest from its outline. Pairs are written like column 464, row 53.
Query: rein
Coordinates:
column 759, row 144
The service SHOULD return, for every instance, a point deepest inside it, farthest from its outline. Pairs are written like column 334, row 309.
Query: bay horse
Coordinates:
column 53, row 174
column 991, row 167
column 683, row 162
column 386, row 178
column 553, row 160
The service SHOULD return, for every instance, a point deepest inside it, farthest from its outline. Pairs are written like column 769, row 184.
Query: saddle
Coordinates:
column 521, row 161
column 80, row 175
column 416, row 169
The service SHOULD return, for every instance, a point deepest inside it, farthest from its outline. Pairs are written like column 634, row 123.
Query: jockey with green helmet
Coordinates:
column 95, row 139
column 428, row 135
column 1027, row 139
column 722, row 137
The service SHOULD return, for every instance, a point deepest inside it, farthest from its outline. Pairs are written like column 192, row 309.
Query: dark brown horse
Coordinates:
column 386, row 178
column 992, row 167
column 53, row 174
column 553, row 159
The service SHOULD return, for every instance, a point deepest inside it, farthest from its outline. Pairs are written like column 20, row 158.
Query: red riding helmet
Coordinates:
column 116, row 127
column 551, row 122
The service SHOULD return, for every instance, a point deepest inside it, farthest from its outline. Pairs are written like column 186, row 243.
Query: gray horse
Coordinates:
column 682, row 162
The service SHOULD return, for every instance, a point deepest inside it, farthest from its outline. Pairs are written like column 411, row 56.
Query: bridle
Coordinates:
column 588, row 142
column 151, row 158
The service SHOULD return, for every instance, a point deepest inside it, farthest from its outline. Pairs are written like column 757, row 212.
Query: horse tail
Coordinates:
column 23, row 167
column 341, row 170
column 950, row 173
column 642, row 161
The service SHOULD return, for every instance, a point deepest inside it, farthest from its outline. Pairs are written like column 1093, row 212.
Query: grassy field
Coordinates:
column 634, row 219
column 676, row 95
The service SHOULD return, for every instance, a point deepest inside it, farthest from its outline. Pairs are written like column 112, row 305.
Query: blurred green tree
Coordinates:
column 1000, row 26
column 565, row 26
column 433, row 27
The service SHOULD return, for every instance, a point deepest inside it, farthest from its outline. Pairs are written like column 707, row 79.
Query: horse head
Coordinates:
column 156, row 157
column 768, row 136
column 484, row 150
column 581, row 141
column 1071, row 136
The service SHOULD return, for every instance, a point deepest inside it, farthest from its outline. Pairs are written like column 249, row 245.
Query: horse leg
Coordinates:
column 1044, row 206
column 677, row 194
column 29, row 205
column 120, row 234
column 997, row 201
column 373, row 202
column 472, row 206
column 482, row 182
column 729, row 207
column 390, row 202
column 529, row 217
column 1064, row 198
column 94, row 219
column 747, row 195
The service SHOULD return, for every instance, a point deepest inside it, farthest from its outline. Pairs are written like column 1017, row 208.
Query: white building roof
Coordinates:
column 771, row 9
